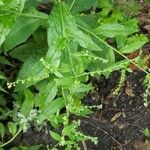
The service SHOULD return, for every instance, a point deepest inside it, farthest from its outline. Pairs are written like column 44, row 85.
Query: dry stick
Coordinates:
column 113, row 49
column 84, row 145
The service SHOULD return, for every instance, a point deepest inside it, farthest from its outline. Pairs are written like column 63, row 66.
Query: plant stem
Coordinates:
column 109, row 46
column 11, row 138
column 72, row 5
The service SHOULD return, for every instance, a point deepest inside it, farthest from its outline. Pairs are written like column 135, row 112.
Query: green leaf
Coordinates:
column 9, row 12
column 110, row 56
column 12, row 128
column 24, row 51
column 4, row 61
column 147, row 132
column 54, row 106
column 28, row 103
column 121, row 40
column 80, row 87
column 14, row 5
column 111, row 30
column 134, row 43
column 51, row 108
column 85, row 40
column 31, row 72
column 105, row 3
column 3, row 33
column 2, row 89
column 131, row 26
column 80, row 5
column 2, row 76
column 46, row 94
column 83, row 111
column 2, row 130
column 21, row 31
column 55, row 136
column 2, row 101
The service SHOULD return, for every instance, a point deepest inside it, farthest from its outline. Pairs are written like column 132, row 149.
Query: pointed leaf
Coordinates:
column 28, row 103
column 134, row 44
column 21, row 31
column 55, row 136
column 46, row 94
column 31, row 72
column 2, row 130
column 12, row 128
column 111, row 30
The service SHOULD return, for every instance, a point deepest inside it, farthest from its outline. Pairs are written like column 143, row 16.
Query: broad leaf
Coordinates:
column 85, row 40
column 111, row 30
column 134, row 43
column 55, row 136
column 46, row 94
column 12, row 128
column 24, row 51
column 80, row 5
column 2, row 76
column 31, row 72
column 2, row 130
column 21, row 31
column 51, row 108
column 3, row 60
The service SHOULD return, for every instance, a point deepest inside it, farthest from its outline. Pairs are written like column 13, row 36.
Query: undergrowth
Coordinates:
column 58, row 46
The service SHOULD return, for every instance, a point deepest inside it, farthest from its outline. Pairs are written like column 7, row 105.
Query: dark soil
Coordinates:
column 118, row 125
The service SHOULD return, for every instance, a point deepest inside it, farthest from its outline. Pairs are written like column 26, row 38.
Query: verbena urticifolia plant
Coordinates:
column 59, row 50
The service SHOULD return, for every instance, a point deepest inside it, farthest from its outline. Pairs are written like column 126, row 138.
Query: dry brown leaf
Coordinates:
column 116, row 116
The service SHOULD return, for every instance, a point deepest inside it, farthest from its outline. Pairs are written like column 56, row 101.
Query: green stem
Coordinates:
column 109, row 46
column 63, row 94
column 11, row 138
column 62, row 21
column 72, row 5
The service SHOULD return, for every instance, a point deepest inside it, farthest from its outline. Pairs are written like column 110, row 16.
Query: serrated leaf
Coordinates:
column 7, row 18
column 63, row 28
column 51, row 108
column 85, row 40
column 134, row 44
column 31, row 72
column 80, row 87
column 54, row 106
column 24, row 51
column 15, row 5
column 111, row 30
column 55, row 136
column 12, row 127
column 80, row 5
column 21, row 31
column 83, row 111
column 2, row 130
column 28, row 103
column 131, row 26
column 46, row 94
column 121, row 40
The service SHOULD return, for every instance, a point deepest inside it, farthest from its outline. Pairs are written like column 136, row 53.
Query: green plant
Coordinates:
column 147, row 132
column 59, row 52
